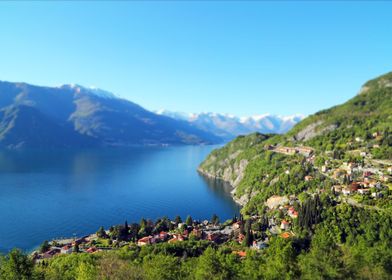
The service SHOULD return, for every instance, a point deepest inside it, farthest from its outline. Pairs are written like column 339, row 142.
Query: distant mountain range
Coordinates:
column 76, row 116
column 229, row 126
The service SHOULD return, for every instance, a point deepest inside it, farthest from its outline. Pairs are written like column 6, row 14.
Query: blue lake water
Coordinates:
column 46, row 195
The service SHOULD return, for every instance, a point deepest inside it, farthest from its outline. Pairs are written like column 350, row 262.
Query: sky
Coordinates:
column 241, row 58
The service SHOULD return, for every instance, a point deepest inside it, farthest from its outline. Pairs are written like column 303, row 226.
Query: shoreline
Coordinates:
column 232, row 191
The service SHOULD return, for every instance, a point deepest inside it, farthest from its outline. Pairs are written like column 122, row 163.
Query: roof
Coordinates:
column 285, row 235
column 144, row 239
column 242, row 254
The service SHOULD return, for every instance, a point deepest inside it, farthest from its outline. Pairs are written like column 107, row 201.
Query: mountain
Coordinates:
column 321, row 194
column 361, row 125
column 76, row 116
column 229, row 126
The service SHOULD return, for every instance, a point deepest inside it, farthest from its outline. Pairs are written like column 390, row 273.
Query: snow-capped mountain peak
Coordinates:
column 92, row 90
column 228, row 126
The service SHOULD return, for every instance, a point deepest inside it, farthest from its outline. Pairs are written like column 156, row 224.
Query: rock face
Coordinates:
column 275, row 201
column 229, row 163
column 314, row 130
column 231, row 173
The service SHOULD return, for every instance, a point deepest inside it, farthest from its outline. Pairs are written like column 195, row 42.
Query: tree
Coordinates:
column 45, row 246
column 133, row 231
column 16, row 266
column 189, row 220
column 177, row 220
column 101, row 233
column 161, row 267
column 248, row 240
column 310, row 212
column 214, row 219
column 209, row 266
column 324, row 261
column 76, row 247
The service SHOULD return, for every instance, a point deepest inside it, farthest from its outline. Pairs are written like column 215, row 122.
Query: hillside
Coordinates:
column 368, row 113
column 361, row 125
column 75, row 116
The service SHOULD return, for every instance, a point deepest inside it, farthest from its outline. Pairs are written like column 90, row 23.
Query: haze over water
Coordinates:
column 47, row 194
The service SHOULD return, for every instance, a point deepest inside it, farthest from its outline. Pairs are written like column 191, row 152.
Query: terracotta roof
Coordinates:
column 242, row 254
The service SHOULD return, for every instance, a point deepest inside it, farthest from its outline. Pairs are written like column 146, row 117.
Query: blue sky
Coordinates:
column 230, row 57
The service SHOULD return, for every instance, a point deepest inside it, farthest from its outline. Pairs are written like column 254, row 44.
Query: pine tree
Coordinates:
column 214, row 219
column 189, row 220
column 177, row 220
column 101, row 232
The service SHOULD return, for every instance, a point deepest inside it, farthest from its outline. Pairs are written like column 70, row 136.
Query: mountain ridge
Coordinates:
column 229, row 126
column 85, row 117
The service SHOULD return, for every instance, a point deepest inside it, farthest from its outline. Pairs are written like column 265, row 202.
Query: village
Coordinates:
column 364, row 178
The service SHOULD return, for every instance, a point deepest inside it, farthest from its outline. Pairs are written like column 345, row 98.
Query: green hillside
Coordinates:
column 368, row 112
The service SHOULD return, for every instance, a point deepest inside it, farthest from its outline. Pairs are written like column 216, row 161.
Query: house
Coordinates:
column 376, row 134
column 237, row 225
column 363, row 191
column 180, row 225
column 389, row 170
column 286, row 150
column 173, row 240
column 347, row 191
column 338, row 173
column 306, row 151
column 67, row 249
column 285, row 225
column 358, row 139
column 376, row 195
column 362, row 154
column 337, row 188
column 367, row 173
column 51, row 253
column 240, row 238
column 198, row 233
column 285, row 235
column 179, row 237
column 258, row 245
column 144, row 241
column 163, row 235
column 366, row 180
column 292, row 213
column 324, row 168
column 241, row 254
column 385, row 178
column 91, row 250
column 308, row 178
column 354, row 186
column 213, row 236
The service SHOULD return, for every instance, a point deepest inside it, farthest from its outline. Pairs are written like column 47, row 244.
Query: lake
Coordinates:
column 47, row 194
